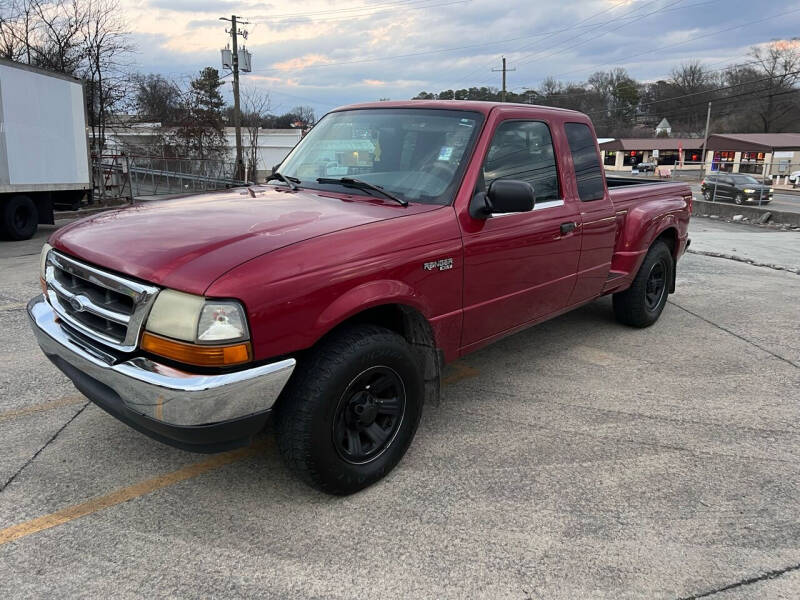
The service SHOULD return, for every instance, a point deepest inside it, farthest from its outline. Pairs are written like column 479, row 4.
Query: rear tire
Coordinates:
column 642, row 303
column 19, row 219
column 351, row 409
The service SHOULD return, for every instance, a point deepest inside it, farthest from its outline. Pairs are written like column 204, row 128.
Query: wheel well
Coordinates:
column 670, row 238
column 415, row 328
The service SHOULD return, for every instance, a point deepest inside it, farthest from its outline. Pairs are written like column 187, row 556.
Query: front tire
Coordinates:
column 642, row 303
column 351, row 409
column 739, row 199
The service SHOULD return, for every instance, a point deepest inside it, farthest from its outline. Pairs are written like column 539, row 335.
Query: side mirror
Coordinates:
column 503, row 196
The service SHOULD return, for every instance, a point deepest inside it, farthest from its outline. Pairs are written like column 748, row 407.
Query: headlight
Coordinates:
column 771, row 190
column 43, row 259
column 211, row 332
column 749, row 191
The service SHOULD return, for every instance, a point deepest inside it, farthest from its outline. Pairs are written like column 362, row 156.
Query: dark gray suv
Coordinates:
column 738, row 187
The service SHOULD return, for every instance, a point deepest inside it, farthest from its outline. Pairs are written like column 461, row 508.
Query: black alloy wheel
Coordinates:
column 656, row 285
column 351, row 408
column 369, row 415
column 643, row 302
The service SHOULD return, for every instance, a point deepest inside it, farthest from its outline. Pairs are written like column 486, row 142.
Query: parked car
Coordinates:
column 645, row 167
column 794, row 178
column 330, row 301
column 736, row 187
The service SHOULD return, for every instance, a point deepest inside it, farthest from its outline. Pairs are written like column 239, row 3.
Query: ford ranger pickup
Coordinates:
column 394, row 238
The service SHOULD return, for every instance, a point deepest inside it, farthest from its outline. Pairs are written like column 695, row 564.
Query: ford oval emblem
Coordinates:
column 76, row 304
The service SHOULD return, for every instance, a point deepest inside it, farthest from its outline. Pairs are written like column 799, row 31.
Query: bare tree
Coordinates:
column 256, row 109
column 17, row 24
column 778, row 63
column 107, row 47
column 59, row 27
column 305, row 115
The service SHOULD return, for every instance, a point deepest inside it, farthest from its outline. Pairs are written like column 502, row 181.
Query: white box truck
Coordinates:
column 44, row 153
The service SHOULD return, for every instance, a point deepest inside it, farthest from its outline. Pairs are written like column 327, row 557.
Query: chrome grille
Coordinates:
column 106, row 307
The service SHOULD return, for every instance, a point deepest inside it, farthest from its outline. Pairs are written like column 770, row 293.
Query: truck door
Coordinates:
column 597, row 214
column 519, row 266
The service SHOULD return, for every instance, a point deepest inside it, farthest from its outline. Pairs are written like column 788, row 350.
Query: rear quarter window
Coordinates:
column 588, row 173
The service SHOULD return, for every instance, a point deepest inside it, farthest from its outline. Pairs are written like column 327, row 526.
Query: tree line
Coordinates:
column 757, row 96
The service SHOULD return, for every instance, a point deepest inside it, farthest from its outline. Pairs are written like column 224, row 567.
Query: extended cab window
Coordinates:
column 588, row 173
column 523, row 150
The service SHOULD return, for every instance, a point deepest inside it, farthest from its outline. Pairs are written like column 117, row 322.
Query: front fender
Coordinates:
column 369, row 295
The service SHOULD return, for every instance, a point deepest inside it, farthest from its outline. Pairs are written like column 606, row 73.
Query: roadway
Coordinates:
column 783, row 201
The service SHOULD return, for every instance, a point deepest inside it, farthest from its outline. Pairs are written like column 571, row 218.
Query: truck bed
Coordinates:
column 628, row 192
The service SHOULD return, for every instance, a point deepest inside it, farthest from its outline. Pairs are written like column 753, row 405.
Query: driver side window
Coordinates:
column 523, row 150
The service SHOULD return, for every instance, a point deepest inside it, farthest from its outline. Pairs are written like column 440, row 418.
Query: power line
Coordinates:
column 550, row 51
column 411, row 54
column 683, row 42
column 550, row 35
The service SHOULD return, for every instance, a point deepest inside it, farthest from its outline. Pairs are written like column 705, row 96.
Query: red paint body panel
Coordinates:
column 186, row 243
column 303, row 262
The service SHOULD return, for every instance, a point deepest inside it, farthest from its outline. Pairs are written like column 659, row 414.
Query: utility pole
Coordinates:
column 705, row 140
column 504, row 70
column 237, row 114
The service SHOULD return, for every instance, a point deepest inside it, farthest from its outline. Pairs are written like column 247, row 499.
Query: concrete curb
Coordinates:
column 703, row 208
column 743, row 260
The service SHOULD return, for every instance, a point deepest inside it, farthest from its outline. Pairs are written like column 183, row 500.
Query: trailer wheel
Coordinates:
column 19, row 218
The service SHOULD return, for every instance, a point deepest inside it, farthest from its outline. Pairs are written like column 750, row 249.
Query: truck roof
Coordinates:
column 473, row 105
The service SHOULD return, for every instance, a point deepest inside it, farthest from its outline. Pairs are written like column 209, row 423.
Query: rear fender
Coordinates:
column 643, row 224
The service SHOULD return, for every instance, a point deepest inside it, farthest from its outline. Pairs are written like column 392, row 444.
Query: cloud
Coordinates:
column 325, row 53
column 301, row 62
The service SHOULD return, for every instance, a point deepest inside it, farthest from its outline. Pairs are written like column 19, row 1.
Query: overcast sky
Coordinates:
column 327, row 53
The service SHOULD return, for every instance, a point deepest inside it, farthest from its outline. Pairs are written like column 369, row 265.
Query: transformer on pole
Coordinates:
column 235, row 67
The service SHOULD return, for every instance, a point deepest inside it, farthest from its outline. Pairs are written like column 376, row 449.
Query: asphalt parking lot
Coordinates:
column 579, row 459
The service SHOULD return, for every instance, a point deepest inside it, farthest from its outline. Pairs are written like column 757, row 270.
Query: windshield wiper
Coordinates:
column 290, row 181
column 362, row 185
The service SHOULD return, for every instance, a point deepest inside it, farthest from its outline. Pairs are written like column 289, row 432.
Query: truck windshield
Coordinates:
column 414, row 154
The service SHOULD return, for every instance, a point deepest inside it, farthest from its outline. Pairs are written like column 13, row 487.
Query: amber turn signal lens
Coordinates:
column 196, row 354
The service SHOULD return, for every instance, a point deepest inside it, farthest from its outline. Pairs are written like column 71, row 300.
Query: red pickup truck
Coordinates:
column 394, row 238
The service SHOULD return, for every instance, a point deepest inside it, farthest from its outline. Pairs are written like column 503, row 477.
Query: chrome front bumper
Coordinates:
column 160, row 393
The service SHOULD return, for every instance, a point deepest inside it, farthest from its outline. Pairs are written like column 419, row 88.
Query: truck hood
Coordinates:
column 187, row 243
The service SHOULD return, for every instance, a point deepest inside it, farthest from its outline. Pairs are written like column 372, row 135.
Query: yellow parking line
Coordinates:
column 34, row 408
column 459, row 371
column 77, row 511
